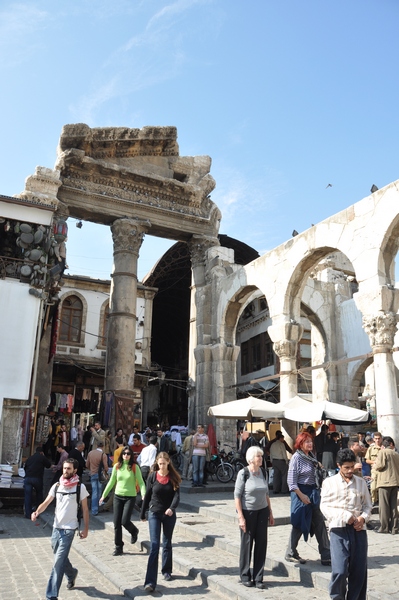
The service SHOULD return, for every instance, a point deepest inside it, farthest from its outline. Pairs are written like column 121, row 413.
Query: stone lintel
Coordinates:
column 112, row 142
column 110, row 173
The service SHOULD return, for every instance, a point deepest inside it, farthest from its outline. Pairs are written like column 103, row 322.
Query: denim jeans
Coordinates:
column 123, row 508
column 61, row 541
column 96, row 490
column 348, row 563
column 30, row 484
column 198, row 468
column 155, row 522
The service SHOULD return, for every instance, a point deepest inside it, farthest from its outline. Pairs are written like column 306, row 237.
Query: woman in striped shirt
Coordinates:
column 305, row 501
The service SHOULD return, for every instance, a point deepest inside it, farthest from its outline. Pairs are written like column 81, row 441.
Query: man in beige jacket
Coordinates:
column 387, row 466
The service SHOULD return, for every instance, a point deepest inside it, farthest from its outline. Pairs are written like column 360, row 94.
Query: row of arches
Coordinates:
column 340, row 276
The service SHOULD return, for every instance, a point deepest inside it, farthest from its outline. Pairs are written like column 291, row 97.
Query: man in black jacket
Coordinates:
column 77, row 454
column 34, row 471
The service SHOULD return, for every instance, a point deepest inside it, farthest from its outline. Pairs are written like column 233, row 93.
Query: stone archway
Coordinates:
column 135, row 181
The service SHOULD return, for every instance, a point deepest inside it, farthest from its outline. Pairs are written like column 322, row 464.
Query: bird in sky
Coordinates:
column 328, row 185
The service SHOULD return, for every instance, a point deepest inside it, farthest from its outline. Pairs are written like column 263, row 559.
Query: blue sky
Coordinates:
column 285, row 96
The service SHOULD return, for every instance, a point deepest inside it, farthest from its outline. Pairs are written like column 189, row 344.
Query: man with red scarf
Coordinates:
column 66, row 492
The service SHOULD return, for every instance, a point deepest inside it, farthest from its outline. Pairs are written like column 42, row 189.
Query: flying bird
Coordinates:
column 328, row 185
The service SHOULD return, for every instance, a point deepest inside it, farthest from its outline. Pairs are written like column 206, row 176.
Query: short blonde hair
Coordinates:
column 252, row 452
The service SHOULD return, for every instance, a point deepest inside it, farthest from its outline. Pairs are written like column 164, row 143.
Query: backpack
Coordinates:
column 246, row 473
column 79, row 513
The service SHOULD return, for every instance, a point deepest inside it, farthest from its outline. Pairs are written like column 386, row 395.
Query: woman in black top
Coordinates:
column 161, row 500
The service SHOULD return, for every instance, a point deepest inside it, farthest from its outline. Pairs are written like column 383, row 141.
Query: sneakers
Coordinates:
column 295, row 558
column 71, row 583
column 149, row 588
column 118, row 551
column 167, row 576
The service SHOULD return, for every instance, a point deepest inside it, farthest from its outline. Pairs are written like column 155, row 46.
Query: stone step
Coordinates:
column 213, row 557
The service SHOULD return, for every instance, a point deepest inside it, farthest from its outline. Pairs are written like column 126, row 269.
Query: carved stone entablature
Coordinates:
column 120, row 142
column 198, row 247
column 285, row 349
column 381, row 329
column 253, row 323
column 42, row 187
column 109, row 173
column 128, row 234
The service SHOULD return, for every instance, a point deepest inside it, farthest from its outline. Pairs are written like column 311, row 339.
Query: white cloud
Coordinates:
column 153, row 56
column 18, row 23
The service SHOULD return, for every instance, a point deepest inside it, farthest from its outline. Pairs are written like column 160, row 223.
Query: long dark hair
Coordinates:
column 120, row 459
column 174, row 476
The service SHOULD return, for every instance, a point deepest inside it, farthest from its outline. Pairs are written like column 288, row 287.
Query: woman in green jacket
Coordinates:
column 127, row 477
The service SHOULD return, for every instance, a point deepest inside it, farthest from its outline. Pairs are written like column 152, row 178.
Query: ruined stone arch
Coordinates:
column 298, row 279
column 356, row 378
column 232, row 311
column 388, row 252
column 82, row 341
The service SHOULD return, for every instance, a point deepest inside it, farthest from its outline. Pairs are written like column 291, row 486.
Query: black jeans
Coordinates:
column 123, row 508
column 256, row 522
column 30, row 484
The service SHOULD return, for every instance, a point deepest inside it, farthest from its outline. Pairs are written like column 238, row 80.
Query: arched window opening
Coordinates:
column 104, row 334
column 71, row 320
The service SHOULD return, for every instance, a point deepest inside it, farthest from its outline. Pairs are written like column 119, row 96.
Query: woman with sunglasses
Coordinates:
column 161, row 500
column 126, row 475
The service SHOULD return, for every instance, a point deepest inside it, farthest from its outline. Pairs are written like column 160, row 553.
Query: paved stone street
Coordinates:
column 206, row 545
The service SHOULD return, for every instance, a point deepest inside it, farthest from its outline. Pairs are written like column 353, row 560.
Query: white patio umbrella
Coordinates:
column 247, row 408
column 300, row 410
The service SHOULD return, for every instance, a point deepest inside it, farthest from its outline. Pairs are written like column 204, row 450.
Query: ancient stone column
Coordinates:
column 200, row 354
column 381, row 330
column 127, row 235
column 285, row 338
column 285, row 344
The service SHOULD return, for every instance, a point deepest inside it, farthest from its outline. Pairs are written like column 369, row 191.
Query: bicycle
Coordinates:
column 235, row 460
column 177, row 459
column 219, row 466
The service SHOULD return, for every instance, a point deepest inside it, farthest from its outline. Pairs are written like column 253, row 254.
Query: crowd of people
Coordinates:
column 330, row 481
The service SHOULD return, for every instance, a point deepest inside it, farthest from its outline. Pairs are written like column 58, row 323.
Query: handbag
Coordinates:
column 320, row 473
column 103, row 477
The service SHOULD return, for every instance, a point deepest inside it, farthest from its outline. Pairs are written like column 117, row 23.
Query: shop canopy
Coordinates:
column 297, row 409
column 301, row 410
column 247, row 408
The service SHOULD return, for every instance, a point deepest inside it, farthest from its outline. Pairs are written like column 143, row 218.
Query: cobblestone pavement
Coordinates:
column 206, row 545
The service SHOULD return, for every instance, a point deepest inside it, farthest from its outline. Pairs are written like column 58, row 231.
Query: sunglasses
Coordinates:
column 126, row 454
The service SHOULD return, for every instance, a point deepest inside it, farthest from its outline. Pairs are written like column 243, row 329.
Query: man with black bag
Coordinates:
column 69, row 494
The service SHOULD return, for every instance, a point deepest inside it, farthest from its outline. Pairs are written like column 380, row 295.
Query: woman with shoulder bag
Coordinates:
column 126, row 475
column 252, row 502
column 161, row 500
column 304, row 477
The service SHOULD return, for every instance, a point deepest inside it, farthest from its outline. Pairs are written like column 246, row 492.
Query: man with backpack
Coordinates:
column 71, row 495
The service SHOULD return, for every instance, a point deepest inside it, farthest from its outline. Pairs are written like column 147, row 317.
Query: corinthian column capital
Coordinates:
column 381, row 330
column 128, row 234
column 286, row 349
column 198, row 247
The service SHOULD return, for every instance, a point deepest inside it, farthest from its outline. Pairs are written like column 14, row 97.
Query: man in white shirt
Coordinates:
column 65, row 524
column 346, row 505
column 147, row 457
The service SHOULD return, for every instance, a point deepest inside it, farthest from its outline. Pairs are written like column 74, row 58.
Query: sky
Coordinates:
column 286, row 97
